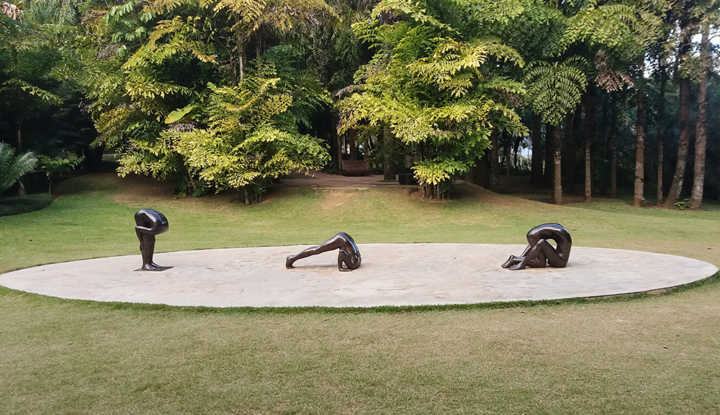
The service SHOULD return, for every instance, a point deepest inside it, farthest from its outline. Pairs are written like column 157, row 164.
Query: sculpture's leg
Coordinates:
column 331, row 244
column 534, row 257
column 537, row 256
column 553, row 259
column 151, row 251
column 342, row 259
column 147, row 248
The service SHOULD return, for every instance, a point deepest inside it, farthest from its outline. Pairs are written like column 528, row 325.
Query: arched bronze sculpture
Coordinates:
column 348, row 255
column 539, row 253
column 148, row 224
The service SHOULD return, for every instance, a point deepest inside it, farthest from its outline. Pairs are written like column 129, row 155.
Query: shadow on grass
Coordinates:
column 24, row 204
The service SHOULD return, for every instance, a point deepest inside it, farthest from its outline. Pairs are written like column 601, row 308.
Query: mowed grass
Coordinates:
column 657, row 354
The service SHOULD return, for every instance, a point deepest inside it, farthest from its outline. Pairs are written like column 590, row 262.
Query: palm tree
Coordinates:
column 12, row 167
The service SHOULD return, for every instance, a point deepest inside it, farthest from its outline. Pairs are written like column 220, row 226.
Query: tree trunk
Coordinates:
column 570, row 151
column 388, row 171
column 494, row 165
column 589, row 136
column 683, row 119
column 536, row 158
column 661, row 131
column 516, row 148
column 240, row 45
column 682, row 152
column 506, row 154
column 21, row 187
column 548, row 170
column 19, row 146
column 612, row 144
column 701, row 123
column 557, row 164
column 639, row 192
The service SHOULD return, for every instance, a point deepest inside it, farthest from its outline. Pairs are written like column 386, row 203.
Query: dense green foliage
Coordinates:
column 228, row 95
column 433, row 88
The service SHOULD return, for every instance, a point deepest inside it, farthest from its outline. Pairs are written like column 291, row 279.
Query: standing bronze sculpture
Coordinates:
column 539, row 253
column 148, row 224
column 348, row 255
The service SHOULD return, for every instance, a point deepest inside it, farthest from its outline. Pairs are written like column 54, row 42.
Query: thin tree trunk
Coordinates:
column 548, row 171
column 701, row 123
column 21, row 187
column 661, row 131
column 639, row 192
column 240, row 45
column 683, row 143
column 557, row 165
column 612, row 144
column 388, row 172
column 570, row 151
column 683, row 119
column 494, row 165
column 506, row 153
column 19, row 147
column 536, row 158
column 589, row 136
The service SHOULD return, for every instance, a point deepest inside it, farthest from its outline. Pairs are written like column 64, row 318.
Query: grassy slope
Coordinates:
column 656, row 354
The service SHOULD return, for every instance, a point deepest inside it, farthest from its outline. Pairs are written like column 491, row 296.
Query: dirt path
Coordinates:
column 325, row 180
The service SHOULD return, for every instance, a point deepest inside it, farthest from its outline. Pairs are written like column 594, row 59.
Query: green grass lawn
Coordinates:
column 657, row 354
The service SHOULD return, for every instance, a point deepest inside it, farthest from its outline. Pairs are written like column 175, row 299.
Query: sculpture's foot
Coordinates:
column 150, row 267
column 511, row 260
column 517, row 266
column 153, row 267
column 289, row 262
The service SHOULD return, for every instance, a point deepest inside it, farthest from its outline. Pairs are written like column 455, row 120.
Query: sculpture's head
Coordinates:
column 152, row 219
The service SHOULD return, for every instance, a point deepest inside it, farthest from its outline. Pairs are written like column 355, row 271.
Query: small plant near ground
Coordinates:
column 13, row 167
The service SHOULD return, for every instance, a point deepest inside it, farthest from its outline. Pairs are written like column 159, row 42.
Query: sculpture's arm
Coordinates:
column 145, row 229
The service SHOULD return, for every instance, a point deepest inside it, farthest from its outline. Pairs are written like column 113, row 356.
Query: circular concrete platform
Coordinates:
column 391, row 275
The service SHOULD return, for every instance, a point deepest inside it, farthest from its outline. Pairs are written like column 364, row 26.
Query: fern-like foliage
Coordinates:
column 13, row 167
column 624, row 28
column 554, row 89
column 32, row 90
column 432, row 88
column 245, row 145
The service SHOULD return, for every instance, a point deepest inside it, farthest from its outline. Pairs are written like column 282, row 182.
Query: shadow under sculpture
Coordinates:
column 348, row 255
column 539, row 252
column 148, row 224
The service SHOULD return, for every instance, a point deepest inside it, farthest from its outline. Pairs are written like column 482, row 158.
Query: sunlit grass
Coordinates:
column 649, row 355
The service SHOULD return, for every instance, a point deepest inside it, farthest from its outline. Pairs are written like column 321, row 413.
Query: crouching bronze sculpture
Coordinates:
column 539, row 253
column 348, row 255
column 148, row 224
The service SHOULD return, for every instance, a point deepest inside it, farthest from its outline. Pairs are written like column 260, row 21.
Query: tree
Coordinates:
column 554, row 90
column 175, row 63
column 701, row 123
column 432, row 88
column 58, row 164
column 249, row 141
column 685, row 45
column 639, row 185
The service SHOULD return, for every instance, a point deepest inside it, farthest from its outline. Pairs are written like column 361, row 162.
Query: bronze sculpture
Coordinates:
column 148, row 224
column 348, row 252
column 539, row 252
